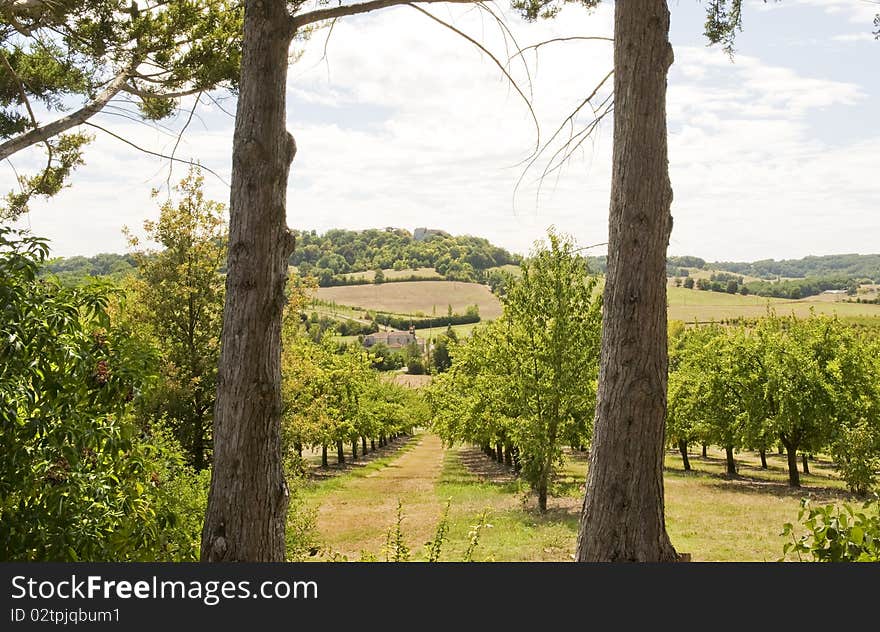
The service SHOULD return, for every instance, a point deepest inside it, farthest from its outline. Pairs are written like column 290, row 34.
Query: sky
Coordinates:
column 401, row 122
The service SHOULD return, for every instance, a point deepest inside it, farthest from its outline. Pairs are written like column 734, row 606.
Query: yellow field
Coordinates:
column 700, row 305
column 428, row 297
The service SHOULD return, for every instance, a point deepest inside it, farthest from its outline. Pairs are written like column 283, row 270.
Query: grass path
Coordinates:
column 709, row 515
column 356, row 512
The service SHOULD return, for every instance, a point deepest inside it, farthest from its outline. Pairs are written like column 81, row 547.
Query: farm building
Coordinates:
column 394, row 339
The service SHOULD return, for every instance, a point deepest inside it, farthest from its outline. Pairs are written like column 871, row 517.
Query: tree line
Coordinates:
column 337, row 252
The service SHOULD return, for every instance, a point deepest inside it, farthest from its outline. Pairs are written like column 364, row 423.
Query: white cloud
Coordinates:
column 406, row 124
column 855, row 37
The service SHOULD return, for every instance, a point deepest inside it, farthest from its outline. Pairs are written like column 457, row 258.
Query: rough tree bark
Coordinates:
column 247, row 504
column 763, row 453
column 623, row 510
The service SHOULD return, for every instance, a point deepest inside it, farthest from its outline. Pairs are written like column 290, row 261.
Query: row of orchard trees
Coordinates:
column 806, row 385
column 525, row 385
column 334, row 397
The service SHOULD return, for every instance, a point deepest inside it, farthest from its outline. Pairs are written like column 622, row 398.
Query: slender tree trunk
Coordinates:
column 806, row 462
column 517, row 465
column 731, row 464
column 364, row 446
column 705, row 448
column 247, row 505
column 324, row 462
column 354, row 449
column 781, row 449
column 683, row 448
column 542, row 494
column 763, row 453
column 340, row 452
column 623, row 513
column 372, row 445
column 298, row 447
column 794, row 478
column 499, row 452
column 508, row 458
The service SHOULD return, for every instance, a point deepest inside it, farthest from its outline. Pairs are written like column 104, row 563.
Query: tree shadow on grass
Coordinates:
column 485, row 468
column 395, row 448
column 780, row 489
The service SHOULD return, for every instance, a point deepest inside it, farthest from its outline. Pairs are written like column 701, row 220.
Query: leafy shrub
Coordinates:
column 835, row 534
column 78, row 479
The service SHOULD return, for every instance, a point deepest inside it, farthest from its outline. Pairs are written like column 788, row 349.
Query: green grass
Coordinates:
column 513, row 533
column 323, row 481
column 701, row 305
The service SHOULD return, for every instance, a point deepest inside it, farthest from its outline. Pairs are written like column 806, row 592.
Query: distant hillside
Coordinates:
column 77, row 270
column 864, row 268
column 336, row 253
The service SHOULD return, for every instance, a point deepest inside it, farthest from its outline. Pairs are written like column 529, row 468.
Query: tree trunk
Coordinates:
column 542, row 494
column 499, row 452
column 805, row 461
column 794, row 478
column 364, row 446
column 324, row 462
column 705, row 447
column 683, row 448
column 781, row 449
column 763, row 453
column 354, row 449
column 623, row 510
column 247, row 505
column 508, row 458
column 517, row 465
column 731, row 464
column 340, row 452
column 372, row 445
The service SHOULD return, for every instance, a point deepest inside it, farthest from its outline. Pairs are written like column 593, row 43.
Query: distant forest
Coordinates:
column 74, row 270
column 331, row 255
column 865, row 268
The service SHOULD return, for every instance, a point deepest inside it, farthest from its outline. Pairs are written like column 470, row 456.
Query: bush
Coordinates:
column 78, row 479
column 836, row 534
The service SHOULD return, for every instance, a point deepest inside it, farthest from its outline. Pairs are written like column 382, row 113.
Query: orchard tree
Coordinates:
column 519, row 381
column 179, row 296
column 552, row 316
column 798, row 356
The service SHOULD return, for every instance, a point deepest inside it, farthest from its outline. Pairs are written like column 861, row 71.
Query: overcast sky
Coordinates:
column 404, row 123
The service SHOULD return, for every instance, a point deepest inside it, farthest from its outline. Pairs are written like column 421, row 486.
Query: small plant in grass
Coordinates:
column 395, row 547
column 835, row 534
column 433, row 548
column 474, row 535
